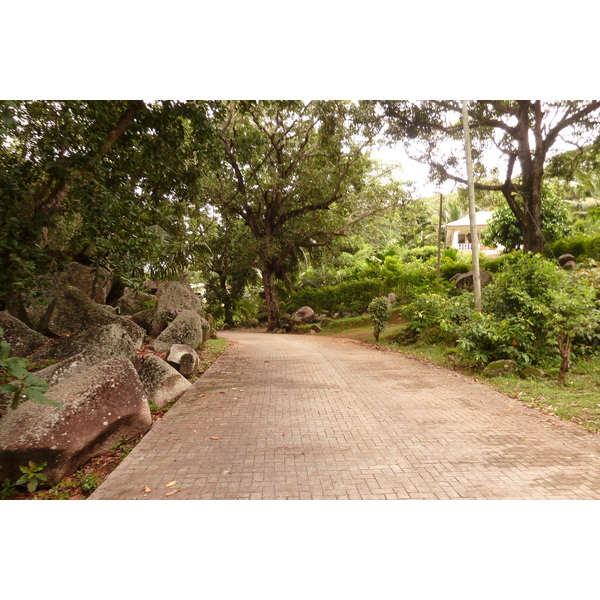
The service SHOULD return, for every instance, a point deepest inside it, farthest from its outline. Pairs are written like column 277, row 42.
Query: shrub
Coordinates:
column 435, row 316
column 449, row 269
column 380, row 310
column 580, row 246
column 353, row 295
column 486, row 338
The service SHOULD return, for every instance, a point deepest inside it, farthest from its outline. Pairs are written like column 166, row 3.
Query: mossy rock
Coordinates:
column 500, row 367
column 531, row 373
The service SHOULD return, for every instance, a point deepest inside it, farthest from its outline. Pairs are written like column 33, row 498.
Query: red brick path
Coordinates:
column 315, row 417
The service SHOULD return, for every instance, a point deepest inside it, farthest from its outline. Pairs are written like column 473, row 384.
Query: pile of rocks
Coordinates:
column 99, row 372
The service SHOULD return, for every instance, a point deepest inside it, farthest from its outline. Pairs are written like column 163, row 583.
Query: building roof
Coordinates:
column 481, row 218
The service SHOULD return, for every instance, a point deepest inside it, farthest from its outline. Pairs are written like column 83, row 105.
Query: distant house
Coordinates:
column 458, row 233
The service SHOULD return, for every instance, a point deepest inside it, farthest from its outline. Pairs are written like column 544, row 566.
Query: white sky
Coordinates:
column 413, row 171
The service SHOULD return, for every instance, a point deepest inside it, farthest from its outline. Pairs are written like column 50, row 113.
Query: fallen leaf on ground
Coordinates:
column 171, row 493
column 147, row 490
column 170, row 484
column 212, row 437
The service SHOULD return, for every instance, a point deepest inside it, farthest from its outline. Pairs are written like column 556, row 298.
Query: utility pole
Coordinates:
column 472, row 217
column 439, row 253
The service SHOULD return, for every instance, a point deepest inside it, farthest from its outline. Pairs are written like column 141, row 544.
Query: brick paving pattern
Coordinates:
column 309, row 417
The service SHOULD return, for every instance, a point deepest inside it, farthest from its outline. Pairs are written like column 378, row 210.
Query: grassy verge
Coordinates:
column 577, row 401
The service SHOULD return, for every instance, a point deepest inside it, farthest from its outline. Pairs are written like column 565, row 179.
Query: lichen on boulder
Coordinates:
column 102, row 406
column 162, row 383
column 22, row 339
column 500, row 367
column 186, row 328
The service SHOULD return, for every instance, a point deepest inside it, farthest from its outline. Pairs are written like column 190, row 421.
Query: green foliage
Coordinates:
column 580, row 246
column 87, row 483
column 503, row 228
column 32, row 475
column 380, row 310
column 349, row 296
column 122, row 449
column 436, row 314
column 449, row 268
column 23, row 383
column 534, row 312
column 533, row 309
column 525, row 287
column 63, row 490
column 100, row 181
column 486, row 338
column 7, row 489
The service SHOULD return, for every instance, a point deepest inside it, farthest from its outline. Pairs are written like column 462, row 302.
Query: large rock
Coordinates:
column 303, row 315
column 73, row 311
column 150, row 321
column 184, row 358
column 186, row 328
column 22, row 339
column 174, row 296
column 134, row 301
column 500, row 367
column 69, row 367
column 465, row 280
column 98, row 343
column 102, row 406
column 531, row 372
column 565, row 258
column 94, row 282
column 162, row 383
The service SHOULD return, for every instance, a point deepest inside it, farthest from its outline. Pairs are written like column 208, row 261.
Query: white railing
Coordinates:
column 466, row 247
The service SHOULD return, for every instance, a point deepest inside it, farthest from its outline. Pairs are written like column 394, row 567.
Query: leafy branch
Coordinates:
column 24, row 384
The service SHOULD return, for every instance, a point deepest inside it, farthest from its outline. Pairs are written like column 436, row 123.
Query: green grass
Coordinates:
column 209, row 352
column 577, row 401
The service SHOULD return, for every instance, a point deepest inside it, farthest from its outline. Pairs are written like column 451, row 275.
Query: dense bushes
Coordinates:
column 580, row 246
column 533, row 313
column 350, row 297
column 403, row 274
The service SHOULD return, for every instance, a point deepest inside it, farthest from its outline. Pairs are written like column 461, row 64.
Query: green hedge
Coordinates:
column 347, row 297
column 353, row 297
column 580, row 246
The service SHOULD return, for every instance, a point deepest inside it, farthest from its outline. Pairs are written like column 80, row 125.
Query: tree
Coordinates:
column 88, row 180
column 524, row 132
column 295, row 174
column 580, row 167
column 227, row 268
column 503, row 228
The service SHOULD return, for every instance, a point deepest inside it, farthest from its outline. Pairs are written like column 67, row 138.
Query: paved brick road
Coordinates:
column 315, row 417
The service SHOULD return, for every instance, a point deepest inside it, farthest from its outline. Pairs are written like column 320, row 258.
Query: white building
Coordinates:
column 458, row 233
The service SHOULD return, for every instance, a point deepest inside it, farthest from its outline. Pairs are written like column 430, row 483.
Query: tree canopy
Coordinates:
column 297, row 175
column 238, row 189
column 523, row 132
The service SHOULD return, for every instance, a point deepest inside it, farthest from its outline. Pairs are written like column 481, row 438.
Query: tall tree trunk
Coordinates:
column 270, row 298
column 531, row 225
